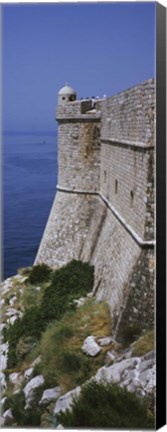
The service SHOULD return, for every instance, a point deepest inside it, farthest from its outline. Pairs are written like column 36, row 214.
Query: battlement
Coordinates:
column 82, row 110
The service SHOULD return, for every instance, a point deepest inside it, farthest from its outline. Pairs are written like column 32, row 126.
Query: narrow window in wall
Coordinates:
column 104, row 176
column 116, row 186
column 131, row 198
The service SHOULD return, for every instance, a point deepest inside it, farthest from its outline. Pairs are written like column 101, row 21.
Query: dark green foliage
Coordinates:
column 30, row 325
column 107, row 406
column 68, row 283
column 129, row 332
column 28, row 417
column 39, row 273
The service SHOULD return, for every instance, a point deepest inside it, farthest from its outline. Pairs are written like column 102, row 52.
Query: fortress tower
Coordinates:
column 103, row 211
column 78, row 143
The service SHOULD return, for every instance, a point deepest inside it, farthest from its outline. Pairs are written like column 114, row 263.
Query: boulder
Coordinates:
column 30, row 387
column 2, row 401
column 116, row 372
column 13, row 377
column 50, row 395
column 3, row 384
column 8, row 416
column 90, row 294
column 16, row 379
column 12, row 300
column 11, row 311
column 80, row 302
column 90, row 346
column 110, row 356
column 64, row 402
column 105, row 341
column 28, row 373
column 135, row 373
column 4, row 356
column 12, row 319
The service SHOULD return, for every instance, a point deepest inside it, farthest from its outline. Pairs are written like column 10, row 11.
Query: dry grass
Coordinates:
column 144, row 344
column 63, row 361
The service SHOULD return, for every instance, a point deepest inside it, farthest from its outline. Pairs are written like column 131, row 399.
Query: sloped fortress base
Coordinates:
column 103, row 212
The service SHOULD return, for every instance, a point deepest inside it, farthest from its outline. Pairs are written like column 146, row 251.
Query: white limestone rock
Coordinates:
column 50, row 395
column 12, row 319
column 4, row 356
column 11, row 311
column 90, row 347
column 105, row 340
column 135, row 373
column 12, row 300
column 2, row 401
column 28, row 373
column 30, row 387
column 7, row 415
column 6, row 285
column 110, row 356
column 80, row 302
column 64, row 402
column 117, row 371
column 90, row 294
column 16, row 379
column 3, row 384
column 13, row 377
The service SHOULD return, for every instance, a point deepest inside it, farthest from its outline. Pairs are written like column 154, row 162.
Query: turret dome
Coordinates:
column 66, row 94
column 67, row 89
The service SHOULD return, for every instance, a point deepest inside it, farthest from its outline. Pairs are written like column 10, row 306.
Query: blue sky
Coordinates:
column 97, row 48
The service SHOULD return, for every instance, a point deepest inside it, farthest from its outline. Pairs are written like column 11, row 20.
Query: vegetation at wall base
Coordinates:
column 63, row 361
column 107, row 406
column 66, row 284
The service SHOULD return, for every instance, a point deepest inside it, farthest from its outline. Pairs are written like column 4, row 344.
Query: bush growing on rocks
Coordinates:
column 68, row 283
column 22, row 417
column 107, row 406
column 39, row 273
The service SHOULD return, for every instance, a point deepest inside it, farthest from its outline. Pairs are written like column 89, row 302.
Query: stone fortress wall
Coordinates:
column 103, row 211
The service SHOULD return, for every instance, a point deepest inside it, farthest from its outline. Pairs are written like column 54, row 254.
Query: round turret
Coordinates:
column 66, row 94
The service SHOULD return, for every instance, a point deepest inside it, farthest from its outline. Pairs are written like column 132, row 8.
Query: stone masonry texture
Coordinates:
column 104, row 207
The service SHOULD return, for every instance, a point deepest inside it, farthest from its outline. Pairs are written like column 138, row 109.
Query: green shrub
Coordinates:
column 24, row 345
column 107, row 406
column 68, row 283
column 39, row 273
column 30, row 325
column 16, row 403
column 30, row 416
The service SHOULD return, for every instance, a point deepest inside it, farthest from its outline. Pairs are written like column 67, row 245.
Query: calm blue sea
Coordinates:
column 29, row 176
